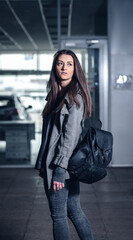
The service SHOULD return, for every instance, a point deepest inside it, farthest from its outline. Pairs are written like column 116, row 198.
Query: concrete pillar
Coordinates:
column 121, row 96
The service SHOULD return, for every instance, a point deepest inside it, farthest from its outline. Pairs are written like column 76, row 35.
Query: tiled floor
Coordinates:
column 24, row 213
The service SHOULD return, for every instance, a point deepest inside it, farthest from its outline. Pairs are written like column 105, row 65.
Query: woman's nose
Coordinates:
column 64, row 66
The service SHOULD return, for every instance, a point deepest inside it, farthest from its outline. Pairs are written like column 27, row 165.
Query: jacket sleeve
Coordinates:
column 45, row 128
column 72, row 128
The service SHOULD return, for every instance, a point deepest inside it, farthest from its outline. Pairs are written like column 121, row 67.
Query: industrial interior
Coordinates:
column 100, row 33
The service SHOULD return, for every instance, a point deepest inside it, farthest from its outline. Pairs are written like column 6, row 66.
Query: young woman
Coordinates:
column 68, row 104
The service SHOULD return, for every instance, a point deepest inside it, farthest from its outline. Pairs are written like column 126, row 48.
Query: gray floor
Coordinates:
column 24, row 213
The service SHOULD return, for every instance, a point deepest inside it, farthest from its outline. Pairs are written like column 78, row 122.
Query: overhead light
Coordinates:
column 93, row 41
column 70, row 44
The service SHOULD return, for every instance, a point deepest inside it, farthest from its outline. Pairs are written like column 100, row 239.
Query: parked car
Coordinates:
column 37, row 101
column 11, row 108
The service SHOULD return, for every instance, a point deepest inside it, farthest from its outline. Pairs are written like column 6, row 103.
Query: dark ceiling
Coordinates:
column 31, row 25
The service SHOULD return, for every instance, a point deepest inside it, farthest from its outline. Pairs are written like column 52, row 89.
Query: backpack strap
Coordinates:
column 88, row 123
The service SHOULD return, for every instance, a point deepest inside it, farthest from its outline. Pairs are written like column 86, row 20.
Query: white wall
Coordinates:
column 121, row 62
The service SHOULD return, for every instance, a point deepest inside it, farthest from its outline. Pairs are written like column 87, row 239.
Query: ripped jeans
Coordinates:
column 66, row 203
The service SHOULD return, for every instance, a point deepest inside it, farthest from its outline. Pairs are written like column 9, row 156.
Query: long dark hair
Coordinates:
column 78, row 84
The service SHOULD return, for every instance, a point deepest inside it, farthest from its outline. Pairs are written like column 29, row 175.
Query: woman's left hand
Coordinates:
column 41, row 172
column 59, row 178
column 57, row 185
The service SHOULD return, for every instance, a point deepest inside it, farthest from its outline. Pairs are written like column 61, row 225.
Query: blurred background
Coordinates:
column 31, row 31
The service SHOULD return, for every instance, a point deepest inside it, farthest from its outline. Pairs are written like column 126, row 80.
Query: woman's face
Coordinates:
column 65, row 69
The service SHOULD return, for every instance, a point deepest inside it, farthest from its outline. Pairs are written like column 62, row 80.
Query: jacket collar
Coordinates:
column 67, row 99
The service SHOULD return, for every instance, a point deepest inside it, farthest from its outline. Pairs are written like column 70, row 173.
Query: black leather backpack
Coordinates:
column 91, row 157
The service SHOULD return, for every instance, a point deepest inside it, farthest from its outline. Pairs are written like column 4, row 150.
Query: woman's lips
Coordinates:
column 63, row 73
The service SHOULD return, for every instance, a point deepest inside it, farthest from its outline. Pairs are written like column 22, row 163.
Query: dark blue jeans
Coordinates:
column 63, row 203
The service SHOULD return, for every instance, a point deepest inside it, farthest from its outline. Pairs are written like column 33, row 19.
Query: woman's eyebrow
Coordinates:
column 70, row 61
column 62, row 61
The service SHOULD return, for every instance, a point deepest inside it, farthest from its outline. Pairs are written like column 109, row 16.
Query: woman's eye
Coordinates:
column 59, row 64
